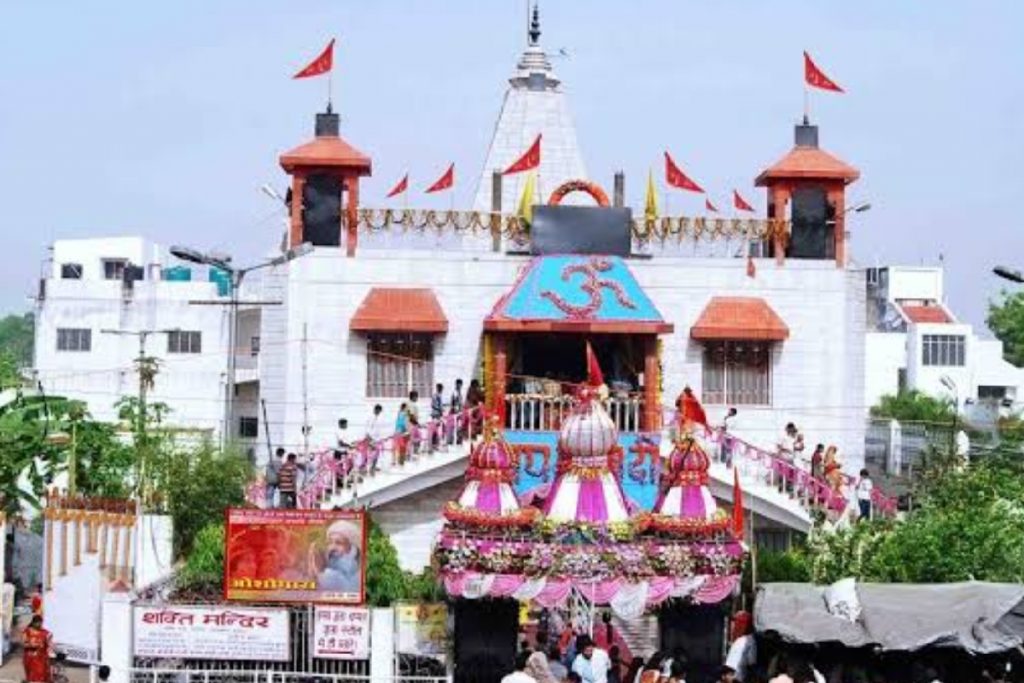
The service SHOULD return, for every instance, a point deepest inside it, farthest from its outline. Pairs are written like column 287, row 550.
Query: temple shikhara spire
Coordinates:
column 535, row 104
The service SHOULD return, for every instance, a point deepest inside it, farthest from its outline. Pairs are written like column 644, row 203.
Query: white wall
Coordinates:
column 915, row 283
column 818, row 373
column 190, row 383
column 885, row 355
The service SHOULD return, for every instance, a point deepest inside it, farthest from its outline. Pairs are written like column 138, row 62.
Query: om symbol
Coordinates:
column 592, row 285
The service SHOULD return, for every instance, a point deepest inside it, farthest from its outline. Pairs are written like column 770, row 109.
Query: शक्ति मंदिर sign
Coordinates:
column 211, row 633
column 341, row 632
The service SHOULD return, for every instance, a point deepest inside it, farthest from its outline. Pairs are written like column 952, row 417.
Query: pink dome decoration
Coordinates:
column 586, row 488
column 688, row 506
column 487, row 498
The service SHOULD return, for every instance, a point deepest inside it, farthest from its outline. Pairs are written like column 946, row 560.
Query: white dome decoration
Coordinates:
column 588, row 432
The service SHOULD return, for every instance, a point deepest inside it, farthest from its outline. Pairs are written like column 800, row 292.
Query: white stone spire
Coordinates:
column 534, row 104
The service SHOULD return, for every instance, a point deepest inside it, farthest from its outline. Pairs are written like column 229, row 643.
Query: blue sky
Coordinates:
column 164, row 118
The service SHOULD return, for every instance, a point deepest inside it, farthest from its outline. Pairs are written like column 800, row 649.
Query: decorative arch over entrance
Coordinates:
column 593, row 189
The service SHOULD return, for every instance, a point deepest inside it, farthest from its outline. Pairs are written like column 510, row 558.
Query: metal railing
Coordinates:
column 542, row 412
column 331, row 470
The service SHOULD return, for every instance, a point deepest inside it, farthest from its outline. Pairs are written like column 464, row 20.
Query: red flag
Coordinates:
column 445, row 182
column 709, row 206
column 595, row 378
column 816, row 78
column 675, row 177
column 529, row 160
column 691, row 408
column 737, row 505
column 321, row 65
column 751, row 268
column 740, row 203
column 401, row 187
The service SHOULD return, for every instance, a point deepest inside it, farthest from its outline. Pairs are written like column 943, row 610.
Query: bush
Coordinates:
column 203, row 571
column 385, row 581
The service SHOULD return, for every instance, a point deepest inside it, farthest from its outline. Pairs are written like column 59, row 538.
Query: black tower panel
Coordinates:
column 321, row 211
column 581, row 230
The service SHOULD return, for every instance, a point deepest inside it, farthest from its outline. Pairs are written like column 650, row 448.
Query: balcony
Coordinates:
column 545, row 413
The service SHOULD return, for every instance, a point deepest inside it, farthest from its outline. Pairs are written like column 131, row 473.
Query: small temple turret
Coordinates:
column 325, row 173
column 814, row 182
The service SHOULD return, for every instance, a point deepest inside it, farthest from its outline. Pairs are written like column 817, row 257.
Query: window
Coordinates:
column 942, row 349
column 248, row 427
column 184, row 342
column 254, row 346
column 991, row 393
column 113, row 268
column 399, row 363
column 71, row 271
column 737, row 373
column 74, row 339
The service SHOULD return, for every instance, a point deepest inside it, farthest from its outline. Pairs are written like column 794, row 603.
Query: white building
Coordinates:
column 914, row 341
column 389, row 302
column 95, row 297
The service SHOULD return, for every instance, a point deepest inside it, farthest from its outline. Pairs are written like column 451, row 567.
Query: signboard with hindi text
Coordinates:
column 341, row 632
column 291, row 556
column 213, row 632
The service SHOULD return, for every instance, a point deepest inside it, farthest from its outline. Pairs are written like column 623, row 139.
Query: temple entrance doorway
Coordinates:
column 485, row 639
column 698, row 632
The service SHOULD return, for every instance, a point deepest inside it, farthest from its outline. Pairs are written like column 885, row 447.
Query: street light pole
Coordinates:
column 235, row 275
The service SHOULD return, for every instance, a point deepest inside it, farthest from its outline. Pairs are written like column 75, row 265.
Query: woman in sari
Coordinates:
column 537, row 668
column 36, row 642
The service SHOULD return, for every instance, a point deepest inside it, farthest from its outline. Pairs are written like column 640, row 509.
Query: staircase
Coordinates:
column 772, row 488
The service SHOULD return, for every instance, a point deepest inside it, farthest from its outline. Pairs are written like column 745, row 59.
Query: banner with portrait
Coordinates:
column 295, row 556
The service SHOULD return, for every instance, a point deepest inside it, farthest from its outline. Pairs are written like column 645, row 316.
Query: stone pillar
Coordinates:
column 837, row 198
column 652, row 378
column 116, row 638
column 779, row 202
column 382, row 644
column 351, row 214
column 619, row 193
column 295, row 232
column 496, row 211
column 500, row 378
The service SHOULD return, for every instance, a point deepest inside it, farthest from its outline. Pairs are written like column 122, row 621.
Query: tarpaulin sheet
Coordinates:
column 980, row 618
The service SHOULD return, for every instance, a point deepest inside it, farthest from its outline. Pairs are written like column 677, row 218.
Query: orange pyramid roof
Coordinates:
column 808, row 163
column 326, row 151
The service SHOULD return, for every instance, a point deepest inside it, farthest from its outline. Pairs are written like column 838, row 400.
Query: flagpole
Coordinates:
column 330, row 88
column 807, row 105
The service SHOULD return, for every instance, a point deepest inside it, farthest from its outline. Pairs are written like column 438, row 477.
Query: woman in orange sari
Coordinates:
column 36, row 643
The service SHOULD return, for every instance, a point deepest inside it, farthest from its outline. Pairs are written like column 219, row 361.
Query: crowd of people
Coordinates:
column 354, row 456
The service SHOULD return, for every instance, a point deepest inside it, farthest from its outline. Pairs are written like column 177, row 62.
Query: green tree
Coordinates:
column 385, row 581
column 17, row 336
column 967, row 523
column 203, row 571
column 914, row 406
column 10, row 377
column 196, row 486
column 1006, row 320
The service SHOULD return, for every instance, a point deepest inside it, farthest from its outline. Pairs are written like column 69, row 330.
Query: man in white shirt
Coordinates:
column 520, row 675
column 592, row 663
column 864, row 488
column 375, row 432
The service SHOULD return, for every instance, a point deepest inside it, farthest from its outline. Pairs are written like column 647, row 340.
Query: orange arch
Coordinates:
column 593, row 189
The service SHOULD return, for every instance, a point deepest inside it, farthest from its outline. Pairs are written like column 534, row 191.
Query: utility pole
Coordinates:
column 146, row 377
column 235, row 275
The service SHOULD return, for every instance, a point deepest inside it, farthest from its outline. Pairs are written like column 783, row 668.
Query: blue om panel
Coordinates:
column 638, row 483
column 583, row 288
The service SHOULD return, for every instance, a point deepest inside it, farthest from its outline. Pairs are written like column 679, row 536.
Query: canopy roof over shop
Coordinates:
column 977, row 617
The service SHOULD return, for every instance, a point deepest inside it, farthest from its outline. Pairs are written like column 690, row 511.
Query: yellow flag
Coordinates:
column 651, row 203
column 526, row 200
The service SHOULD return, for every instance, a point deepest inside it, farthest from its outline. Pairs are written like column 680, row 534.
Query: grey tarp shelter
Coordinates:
column 977, row 617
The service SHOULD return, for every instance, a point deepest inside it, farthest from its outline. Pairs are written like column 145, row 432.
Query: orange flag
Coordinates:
column 401, row 187
column 709, row 206
column 737, row 505
column 445, row 182
column 321, row 65
column 530, row 159
column 816, row 78
column 675, row 177
column 740, row 203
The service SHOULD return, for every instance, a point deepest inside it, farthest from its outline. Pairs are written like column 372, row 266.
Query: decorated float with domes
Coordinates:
column 583, row 535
